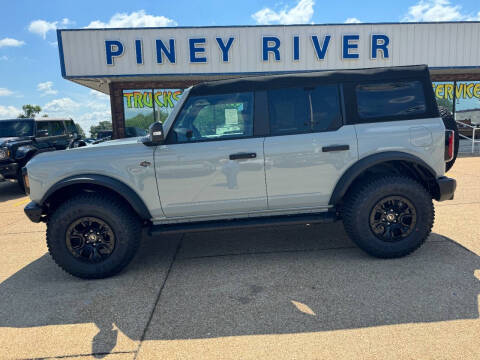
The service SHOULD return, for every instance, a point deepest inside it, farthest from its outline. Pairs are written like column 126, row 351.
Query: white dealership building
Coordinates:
column 145, row 69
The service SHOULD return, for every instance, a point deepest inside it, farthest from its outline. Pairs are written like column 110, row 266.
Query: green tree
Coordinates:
column 79, row 130
column 29, row 111
column 102, row 125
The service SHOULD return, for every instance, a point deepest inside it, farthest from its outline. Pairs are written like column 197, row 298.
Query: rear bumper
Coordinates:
column 446, row 188
column 8, row 171
column 34, row 212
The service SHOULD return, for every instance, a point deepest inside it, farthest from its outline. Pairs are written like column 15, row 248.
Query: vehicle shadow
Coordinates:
column 251, row 292
column 9, row 190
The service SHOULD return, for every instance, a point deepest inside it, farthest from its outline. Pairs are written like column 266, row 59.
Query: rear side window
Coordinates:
column 300, row 110
column 71, row 128
column 57, row 128
column 288, row 111
column 326, row 113
column 390, row 99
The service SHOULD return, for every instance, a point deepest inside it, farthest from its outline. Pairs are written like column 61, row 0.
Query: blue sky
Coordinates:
column 29, row 65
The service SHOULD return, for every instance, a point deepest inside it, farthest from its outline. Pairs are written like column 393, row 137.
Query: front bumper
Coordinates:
column 446, row 188
column 34, row 212
column 8, row 171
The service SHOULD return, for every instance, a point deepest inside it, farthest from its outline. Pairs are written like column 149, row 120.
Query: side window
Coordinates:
column 390, row 99
column 326, row 112
column 288, row 111
column 43, row 128
column 56, row 128
column 212, row 117
column 71, row 128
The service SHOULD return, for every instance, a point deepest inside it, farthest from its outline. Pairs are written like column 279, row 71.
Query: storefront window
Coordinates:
column 144, row 106
column 467, row 103
column 444, row 94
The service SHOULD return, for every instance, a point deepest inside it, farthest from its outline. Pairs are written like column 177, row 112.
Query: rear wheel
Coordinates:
column 389, row 217
column 93, row 236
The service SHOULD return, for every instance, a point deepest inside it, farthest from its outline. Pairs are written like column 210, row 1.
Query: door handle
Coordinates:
column 335, row 148
column 242, row 156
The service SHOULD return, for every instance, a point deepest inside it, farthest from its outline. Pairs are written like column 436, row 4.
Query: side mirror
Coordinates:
column 155, row 132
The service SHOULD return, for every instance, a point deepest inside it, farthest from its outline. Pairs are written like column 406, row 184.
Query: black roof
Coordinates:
column 312, row 78
column 18, row 119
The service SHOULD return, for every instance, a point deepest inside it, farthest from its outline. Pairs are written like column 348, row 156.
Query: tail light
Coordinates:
column 449, row 145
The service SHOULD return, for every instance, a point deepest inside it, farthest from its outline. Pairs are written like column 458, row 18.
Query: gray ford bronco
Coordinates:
column 364, row 146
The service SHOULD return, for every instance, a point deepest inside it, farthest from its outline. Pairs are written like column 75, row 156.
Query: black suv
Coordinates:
column 21, row 139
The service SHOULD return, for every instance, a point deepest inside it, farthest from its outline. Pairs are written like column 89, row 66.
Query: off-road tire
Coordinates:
column 123, row 221
column 450, row 124
column 361, row 201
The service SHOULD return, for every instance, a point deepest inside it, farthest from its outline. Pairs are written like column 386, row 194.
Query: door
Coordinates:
column 211, row 163
column 309, row 147
column 43, row 136
column 59, row 138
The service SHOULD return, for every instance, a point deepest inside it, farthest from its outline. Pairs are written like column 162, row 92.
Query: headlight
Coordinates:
column 4, row 153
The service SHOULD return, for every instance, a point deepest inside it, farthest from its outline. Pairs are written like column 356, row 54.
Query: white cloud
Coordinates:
column 88, row 119
column 9, row 111
column 99, row 95
column 5, row 92
column 11, row 42
column 46, row 88
column 61, row 107
column 299, row 14
column 135, row 19
column 352, row 20
column 66, row 22
column 437, row 10
column 42, row 27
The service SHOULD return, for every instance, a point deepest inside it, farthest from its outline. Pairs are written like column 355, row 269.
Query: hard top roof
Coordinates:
column 18, row 119
column 38, row 119
column 305, row 79
column 52, row 119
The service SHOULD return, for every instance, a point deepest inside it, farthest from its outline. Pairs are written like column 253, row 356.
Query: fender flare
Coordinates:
column 360, row 166
column 121, row 189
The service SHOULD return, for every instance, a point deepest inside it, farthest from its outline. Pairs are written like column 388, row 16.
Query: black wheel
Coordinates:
column 93, row 236
column 389, row 217
column 450, row 124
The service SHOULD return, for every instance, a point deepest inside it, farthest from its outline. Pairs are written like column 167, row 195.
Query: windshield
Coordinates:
column 16, row 128
column 168, row 122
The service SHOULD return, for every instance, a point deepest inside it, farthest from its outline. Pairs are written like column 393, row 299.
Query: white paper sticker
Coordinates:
column 231, row 117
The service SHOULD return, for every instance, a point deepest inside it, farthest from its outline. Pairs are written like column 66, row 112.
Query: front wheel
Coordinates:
column 389, row 217
column 93, row 236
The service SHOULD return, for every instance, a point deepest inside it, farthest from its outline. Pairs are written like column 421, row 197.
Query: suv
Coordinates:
column 21, row 139
column 365, row 146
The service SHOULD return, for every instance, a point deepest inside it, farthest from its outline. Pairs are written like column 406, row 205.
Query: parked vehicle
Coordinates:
column 130, row 131
column 365, row 146
column 21, row 139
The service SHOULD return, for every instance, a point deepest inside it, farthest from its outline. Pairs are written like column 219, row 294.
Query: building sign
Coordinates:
column 181, row 52
column 146, row 98
column 462, row 91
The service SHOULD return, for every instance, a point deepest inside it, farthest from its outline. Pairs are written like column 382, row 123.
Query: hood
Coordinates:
column 116, row 142
column 5, row 140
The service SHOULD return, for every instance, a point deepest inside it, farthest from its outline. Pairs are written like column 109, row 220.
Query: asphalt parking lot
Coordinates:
column 283, row 293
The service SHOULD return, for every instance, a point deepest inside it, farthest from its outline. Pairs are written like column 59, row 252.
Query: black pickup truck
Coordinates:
column 21, row 139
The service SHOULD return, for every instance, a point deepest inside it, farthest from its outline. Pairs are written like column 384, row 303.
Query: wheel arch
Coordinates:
column 94, row 182
column 378, row 163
